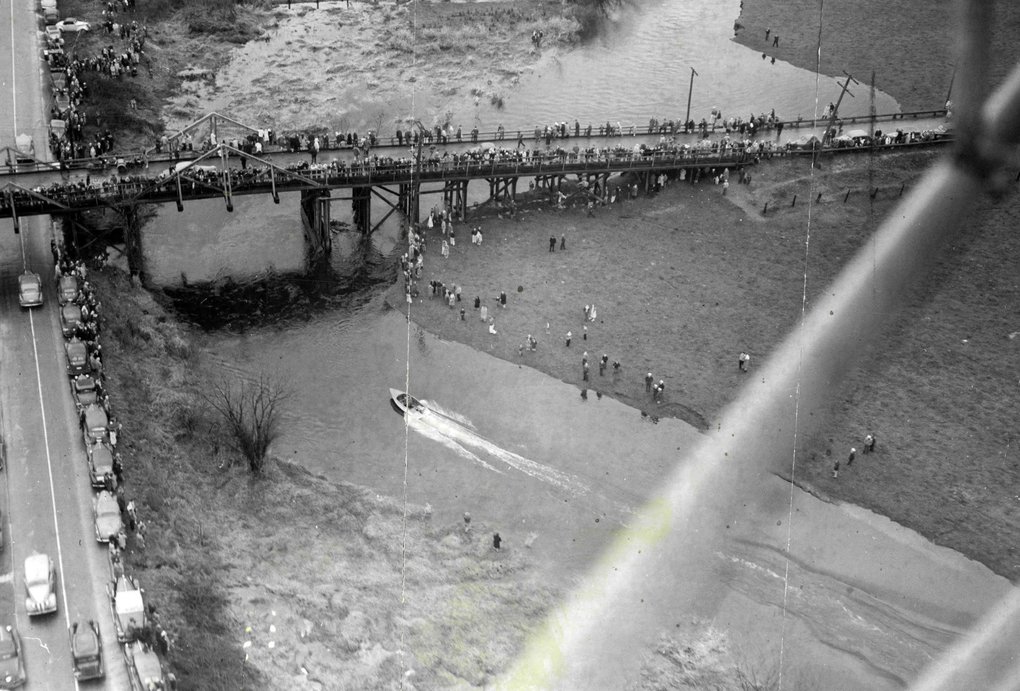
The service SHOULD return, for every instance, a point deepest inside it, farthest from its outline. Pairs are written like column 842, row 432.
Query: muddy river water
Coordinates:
column 558, row 475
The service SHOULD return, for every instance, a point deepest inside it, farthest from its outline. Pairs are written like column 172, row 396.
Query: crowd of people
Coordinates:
column 70, row 86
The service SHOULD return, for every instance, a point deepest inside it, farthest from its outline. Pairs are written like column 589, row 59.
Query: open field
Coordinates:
column 910, row 46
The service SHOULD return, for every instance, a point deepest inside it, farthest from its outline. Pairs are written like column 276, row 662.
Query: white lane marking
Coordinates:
column 49, row 470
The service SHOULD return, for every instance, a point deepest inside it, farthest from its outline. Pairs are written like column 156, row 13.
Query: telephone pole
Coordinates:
column 689, row 92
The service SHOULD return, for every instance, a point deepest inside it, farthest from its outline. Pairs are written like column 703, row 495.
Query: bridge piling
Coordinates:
column 361, row 205
column 315, row 221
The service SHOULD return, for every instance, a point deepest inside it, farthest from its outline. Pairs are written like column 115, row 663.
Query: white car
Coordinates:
column 30, row 292
column 39, row 578
column 72, row 25
column 106, row 513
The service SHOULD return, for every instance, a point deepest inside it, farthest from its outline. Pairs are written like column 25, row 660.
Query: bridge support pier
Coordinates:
column 315, row 220
column 455, row 197
column 502, row 191
column 361, row 205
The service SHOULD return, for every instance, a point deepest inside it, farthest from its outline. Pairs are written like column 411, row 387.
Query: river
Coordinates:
column 557, row 474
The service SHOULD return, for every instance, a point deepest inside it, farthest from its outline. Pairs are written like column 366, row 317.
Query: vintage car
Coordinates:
column 70, row 319
column 77, row 357
column 72, row 25
column 12, row 664
column 128, row 605
column 85, row 390
column 86, row 651
column 30, row 293
column 95, row 425
column 67, row 288
column 145, row 670
column 100, row 464
column 39, row 578
column 106, row 515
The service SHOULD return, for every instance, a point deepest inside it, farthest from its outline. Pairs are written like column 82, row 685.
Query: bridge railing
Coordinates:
column 149, row 156
column 365, row 173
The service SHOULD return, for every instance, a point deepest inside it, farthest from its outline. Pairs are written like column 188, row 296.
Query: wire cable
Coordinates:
column 796, row 408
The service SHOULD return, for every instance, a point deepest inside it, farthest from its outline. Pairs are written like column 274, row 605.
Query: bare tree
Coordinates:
column 252, row 411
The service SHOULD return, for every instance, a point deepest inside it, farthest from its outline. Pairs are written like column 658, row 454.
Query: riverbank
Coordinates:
column 290, row 580
column 910, row 47
column 288, row 69
column 686, row 280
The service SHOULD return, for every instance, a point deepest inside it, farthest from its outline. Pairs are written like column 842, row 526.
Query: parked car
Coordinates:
column 70, row 318
column 86, row 651
column 67, row 288
column 146, row 670
column 12, row 664
column 30, row 293
column 51, row 16
column 53, row 35
column 95, row 425
column 72, row 25
column 106, row 515
column 39, row 578
column 100, row 463
column 77, row 357
column 85, row 390
column 128, row 605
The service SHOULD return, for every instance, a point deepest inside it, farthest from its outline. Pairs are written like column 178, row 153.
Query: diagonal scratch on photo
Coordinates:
column 509, row 344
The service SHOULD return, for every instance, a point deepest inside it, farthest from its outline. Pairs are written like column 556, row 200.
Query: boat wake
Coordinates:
column 456, row 433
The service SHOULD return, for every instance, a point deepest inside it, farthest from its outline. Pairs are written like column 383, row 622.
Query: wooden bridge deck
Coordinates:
column 196, row 183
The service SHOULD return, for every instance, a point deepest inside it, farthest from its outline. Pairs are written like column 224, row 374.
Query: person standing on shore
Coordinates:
column 742, row 361
column 552, row 243
column 851, row 457
column 835, row 469
column 563, row 242
column 648, row 382
column 869, row 443
column 502, row 299
column 569, row 335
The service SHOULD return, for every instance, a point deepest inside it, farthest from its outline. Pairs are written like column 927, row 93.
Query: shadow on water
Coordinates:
column 274, row 298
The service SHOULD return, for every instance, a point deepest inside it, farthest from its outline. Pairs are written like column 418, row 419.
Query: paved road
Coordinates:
column 48, row 499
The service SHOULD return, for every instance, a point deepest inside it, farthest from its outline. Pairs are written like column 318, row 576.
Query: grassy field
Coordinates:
column 685, row 281
column 910, row 46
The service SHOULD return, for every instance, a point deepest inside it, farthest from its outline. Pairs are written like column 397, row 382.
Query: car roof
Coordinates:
column 107, row 499
column 8, row 644
column 94, row 414
column 85, row 640
column 130, row 602
column 37, row 564
column 71, row 309
column 29, row 276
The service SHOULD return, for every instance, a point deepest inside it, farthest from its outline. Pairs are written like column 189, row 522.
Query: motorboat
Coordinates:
column 404, row 401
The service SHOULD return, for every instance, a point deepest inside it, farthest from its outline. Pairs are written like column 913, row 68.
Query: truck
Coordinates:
column 128, row 607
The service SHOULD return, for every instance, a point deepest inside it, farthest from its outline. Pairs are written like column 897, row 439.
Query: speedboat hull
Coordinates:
column 403, row 401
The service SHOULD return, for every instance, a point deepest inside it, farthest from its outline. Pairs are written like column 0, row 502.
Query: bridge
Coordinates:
column 225, row 171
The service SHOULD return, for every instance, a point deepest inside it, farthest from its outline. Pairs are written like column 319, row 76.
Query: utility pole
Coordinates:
column 416, row 176
column 949, row 93
column 832, row 116
column 689, row 92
